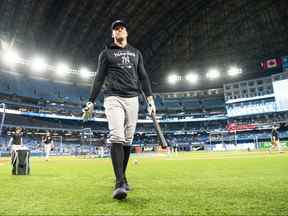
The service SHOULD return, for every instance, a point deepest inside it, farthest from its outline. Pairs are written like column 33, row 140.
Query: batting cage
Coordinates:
column 93, row 145
column 2, row 116
column 57, row 147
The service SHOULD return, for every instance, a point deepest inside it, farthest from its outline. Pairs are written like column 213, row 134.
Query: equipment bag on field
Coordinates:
column 20, row 162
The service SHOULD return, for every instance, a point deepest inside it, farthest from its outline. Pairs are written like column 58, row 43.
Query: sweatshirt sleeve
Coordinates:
column 99, row 76
column 143, row 77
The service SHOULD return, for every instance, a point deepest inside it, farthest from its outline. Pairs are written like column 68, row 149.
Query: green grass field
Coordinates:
column 230, row 183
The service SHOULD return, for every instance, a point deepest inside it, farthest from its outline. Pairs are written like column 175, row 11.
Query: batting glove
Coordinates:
column 88, row 111
column 151, row 105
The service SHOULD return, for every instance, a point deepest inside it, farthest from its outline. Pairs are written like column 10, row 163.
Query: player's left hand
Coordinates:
column 151, row 105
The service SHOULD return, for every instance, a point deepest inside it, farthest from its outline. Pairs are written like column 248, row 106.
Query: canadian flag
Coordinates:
column 271, row 63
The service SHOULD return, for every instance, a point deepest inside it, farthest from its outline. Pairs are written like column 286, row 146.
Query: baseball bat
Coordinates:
column 163, row 142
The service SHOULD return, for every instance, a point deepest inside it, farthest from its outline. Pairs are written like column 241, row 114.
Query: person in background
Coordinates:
column 275, row 140
column 16, row 140
column 48, row 144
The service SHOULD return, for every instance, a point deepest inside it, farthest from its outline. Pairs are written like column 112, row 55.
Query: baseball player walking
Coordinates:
column 120, row 71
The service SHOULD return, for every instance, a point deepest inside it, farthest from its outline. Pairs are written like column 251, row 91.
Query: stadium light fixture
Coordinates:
column 38, row 64
column 4, row 45
column 213, row 74
column 173, row 78
column 85, row 73
column 234, row 71
column 10, row 57
column 62, row 69
column 192, row 77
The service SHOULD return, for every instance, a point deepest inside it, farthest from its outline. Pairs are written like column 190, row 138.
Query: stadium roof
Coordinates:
column 172, row 34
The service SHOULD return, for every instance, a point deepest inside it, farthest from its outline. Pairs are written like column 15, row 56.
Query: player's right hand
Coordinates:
column 88, row 111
